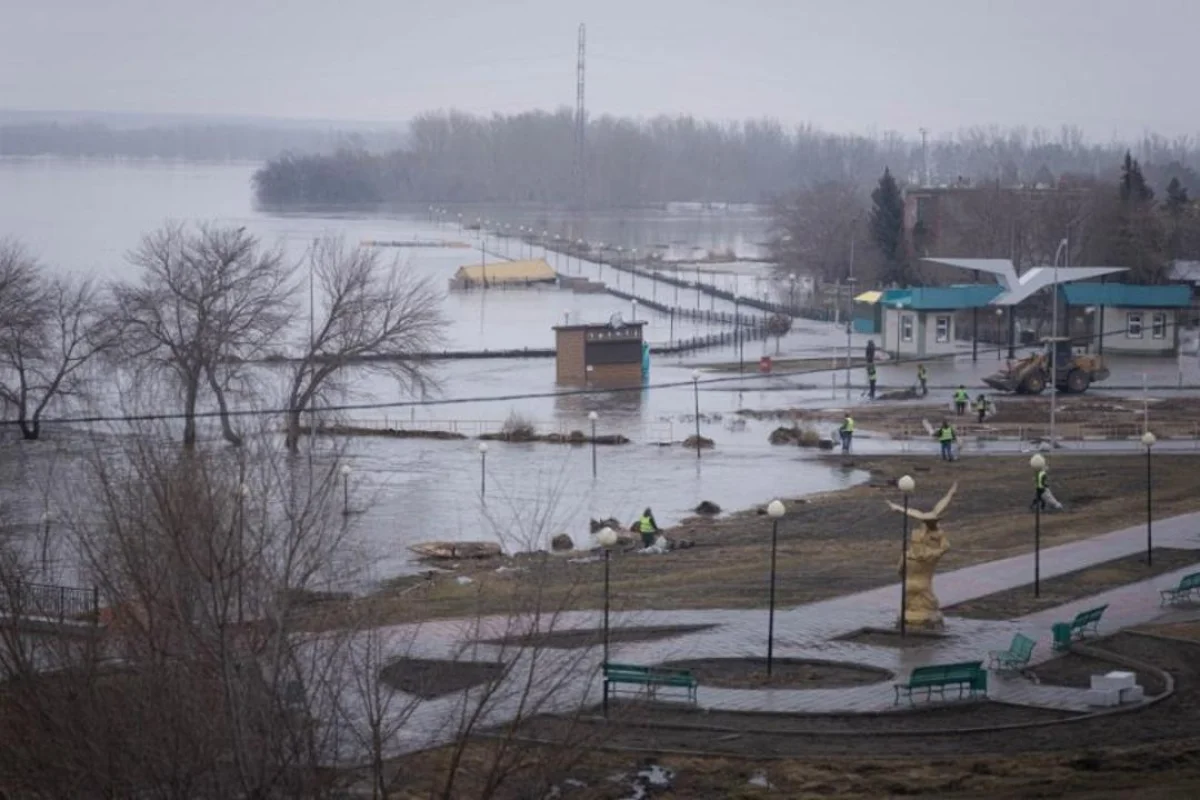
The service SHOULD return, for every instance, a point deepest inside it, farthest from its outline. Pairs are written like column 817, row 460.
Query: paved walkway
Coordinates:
column 559, row 680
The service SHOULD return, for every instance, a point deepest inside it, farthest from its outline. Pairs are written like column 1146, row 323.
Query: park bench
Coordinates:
column 649, row 678
column 1085, row 622
column 967, row 676
column 1187, row 585
column 1015, row 657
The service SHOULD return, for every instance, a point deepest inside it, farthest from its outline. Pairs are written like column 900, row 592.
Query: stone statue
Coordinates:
column 926, row 546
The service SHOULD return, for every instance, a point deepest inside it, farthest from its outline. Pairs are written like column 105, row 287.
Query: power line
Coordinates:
column 448, row 401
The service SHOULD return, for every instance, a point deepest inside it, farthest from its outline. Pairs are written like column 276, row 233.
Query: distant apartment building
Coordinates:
column 970, row 220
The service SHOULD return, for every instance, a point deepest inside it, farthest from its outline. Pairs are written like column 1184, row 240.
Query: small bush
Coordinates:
column 518, row 428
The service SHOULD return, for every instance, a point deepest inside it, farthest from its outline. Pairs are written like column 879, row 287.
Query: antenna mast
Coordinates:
column 924, row 157
column 581, row 122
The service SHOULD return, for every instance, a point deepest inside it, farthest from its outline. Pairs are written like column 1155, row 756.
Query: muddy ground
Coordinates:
column 592, row 637
column 1020, row 601
column 428, row 678
column 1151, row 753
column 786, row 673
column 829, row 545
column 1090, row 415
column 1076, row 670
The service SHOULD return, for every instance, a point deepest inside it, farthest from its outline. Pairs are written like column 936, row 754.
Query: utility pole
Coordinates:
column 581, row 122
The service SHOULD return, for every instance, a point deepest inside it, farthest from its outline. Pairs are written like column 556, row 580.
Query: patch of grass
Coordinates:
column 1019, row 601
column 832, row 544
column 751, row 673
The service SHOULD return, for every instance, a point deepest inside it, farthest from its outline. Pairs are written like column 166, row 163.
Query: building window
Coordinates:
column 1158, row 325
column 924, row 209
column 943, row 329
column 906, row 327
column 1133, row 325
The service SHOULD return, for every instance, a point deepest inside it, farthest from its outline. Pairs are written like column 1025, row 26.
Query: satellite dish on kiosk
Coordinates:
column 616, row 321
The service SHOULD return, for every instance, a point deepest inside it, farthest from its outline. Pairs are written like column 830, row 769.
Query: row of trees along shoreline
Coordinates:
column 529, row 158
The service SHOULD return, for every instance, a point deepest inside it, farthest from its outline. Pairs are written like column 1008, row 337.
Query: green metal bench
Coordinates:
column 1187, row 585
column 968, row 676
column 649, row 678
column 1085, row 622
column 1015, row 657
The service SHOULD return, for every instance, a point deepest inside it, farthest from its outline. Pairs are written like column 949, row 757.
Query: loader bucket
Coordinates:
column 1001, row 381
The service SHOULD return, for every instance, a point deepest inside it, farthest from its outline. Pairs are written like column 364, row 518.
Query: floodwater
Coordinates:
column 83, row 216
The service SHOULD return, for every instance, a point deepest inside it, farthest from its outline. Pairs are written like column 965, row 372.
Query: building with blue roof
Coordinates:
column 1127, row 318
column 922, row 321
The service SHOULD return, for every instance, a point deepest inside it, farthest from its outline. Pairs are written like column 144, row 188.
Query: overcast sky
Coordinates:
column 1110, row 66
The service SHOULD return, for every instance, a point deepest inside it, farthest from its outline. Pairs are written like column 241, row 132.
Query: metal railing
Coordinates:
column 51, row 601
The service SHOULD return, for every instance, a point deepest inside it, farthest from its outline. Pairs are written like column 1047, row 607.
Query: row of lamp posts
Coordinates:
column 1038, row 463
column 607, row 539
column 483, row 451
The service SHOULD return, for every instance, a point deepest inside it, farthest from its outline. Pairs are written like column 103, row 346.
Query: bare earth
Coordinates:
column 829, row 545
column 1151, row 753
column 1087, row 415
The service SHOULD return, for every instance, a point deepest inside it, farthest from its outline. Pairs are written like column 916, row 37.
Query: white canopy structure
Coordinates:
column 1017, row 288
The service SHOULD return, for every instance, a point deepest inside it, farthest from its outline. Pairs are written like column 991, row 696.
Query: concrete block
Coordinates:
column 1133, row 694
column 1103, row 697
column 1114, row 681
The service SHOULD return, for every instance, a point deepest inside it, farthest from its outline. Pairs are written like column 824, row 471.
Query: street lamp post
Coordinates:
column 906, row 485
column 696, row 394
column 606, row 538
column 592, row 417
column 483, row 448
column 1061, row 251
column 775, row 510
column 633, row 308
column 1148, row 439
column 1038, row 463
column 850, row 281
column 346, row 488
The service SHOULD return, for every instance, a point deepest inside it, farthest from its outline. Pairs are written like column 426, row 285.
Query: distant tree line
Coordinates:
column 454, row 157
column 836, row 230
column 228, row 142
column 206, row 303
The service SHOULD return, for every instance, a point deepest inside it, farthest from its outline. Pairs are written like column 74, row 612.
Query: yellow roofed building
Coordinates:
column 503, row 273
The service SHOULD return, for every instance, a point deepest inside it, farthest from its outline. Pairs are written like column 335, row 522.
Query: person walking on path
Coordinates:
column 647, row 527
column 961, row 398
column 870, row 351
column 981, row 407
column 847, row 433
column 923, row 379
column 946, row 438
column 871, row 379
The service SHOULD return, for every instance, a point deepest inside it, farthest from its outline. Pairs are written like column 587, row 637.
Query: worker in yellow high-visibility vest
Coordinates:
column 847, row 433
column 961, row 398
column 946, row 438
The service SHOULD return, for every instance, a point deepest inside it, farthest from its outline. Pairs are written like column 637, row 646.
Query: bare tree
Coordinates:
column 371, row 316
column 200, row 683
column 50, row 330
column 815, row 230
column 208, row 301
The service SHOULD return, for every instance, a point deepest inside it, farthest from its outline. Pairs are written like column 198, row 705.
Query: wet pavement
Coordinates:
column 806, row 631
